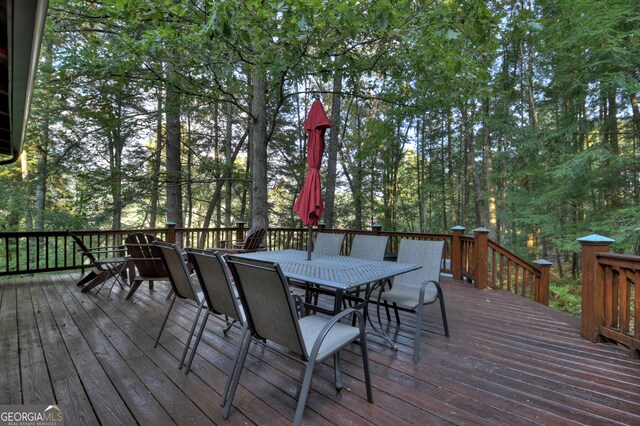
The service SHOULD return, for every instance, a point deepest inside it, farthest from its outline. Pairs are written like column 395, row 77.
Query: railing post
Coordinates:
column 376, row 228
column 481, row 258
column 171, row 232
column 322, row 226
column 592, row 280
column 240, row 231
column 542, row 285
column 456, row 252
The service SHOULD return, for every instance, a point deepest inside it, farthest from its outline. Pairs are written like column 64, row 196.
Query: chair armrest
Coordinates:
column 223, row 244
column 423, row 289
column 144, row 258
column 105, row 249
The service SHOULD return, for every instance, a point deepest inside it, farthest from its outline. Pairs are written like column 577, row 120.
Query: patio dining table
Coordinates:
column 338, row 273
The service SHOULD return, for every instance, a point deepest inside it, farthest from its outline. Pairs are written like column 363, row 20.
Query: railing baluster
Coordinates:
column 625, row 308
column 636, row 304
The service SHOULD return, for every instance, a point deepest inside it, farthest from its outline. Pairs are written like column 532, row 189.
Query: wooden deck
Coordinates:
column 508, row 361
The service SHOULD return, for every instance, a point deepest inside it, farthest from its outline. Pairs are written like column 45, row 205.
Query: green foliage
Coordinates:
column 566, row 295
column 517, row 116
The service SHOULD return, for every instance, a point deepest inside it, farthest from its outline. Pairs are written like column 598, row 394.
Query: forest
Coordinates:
column 520, row 116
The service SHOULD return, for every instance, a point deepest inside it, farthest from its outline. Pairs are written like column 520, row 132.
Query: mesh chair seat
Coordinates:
column 410, row 299
column 337, row 338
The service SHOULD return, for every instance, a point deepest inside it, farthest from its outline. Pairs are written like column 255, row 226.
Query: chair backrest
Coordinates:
column 177, row 270
column 369, row 246
column 254, row 238
column 83, row 248
column 215, row 282
column 328, row 243
column 145, row 255
column 267, row 303
column 426, row 253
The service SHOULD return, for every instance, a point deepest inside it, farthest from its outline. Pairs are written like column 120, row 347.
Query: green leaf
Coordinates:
column 452, row 35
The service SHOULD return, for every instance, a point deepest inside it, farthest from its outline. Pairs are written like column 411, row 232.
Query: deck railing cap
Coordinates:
column 482, row 230
column 595, row 238
column 542, row 262
column 458, row 228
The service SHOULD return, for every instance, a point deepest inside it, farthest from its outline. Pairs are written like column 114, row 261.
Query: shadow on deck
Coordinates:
column 508, row 361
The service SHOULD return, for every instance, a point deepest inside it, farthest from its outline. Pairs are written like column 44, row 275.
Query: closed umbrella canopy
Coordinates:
column 309, row 204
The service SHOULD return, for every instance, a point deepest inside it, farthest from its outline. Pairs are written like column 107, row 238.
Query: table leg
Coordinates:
column 337, row 303
column 378, row 331
column 116, row 270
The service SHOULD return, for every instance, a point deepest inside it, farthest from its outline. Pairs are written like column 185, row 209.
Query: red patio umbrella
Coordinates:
column 309, row 204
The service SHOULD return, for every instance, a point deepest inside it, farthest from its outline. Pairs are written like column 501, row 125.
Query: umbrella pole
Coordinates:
column 309, row 244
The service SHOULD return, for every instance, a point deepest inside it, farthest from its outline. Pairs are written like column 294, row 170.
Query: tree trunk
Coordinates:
column 218, row 172
column 174, row 165
column 28, row 220
column 228, row 167
column 189, row 175
column 420, row 172
column 445, row 176
column 41, row 181
column 116, row 179
column 636, row 143
column 260, row 207
column 116, row 146
column 226, row 178
column 353, row 173
column 336, row 104
column 156, row 159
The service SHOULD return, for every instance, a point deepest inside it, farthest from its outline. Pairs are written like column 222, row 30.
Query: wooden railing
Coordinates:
column 509, row 272
column 474, row 258
column 489, row 265
column 610, row 296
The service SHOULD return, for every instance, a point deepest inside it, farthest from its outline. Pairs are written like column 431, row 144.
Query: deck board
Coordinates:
column 64, row 377
column 109, row 406
column 36, row 384
column 10, row 377
column 508, row 361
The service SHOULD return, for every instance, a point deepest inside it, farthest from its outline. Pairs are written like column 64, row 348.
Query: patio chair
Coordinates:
column 100, row 259
column 328, row 243
column 251, row 243
column 272, row 315
column 182, row 286
column 146, row 258
column 421, row 287
column 368, row 247
column 217, row 289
